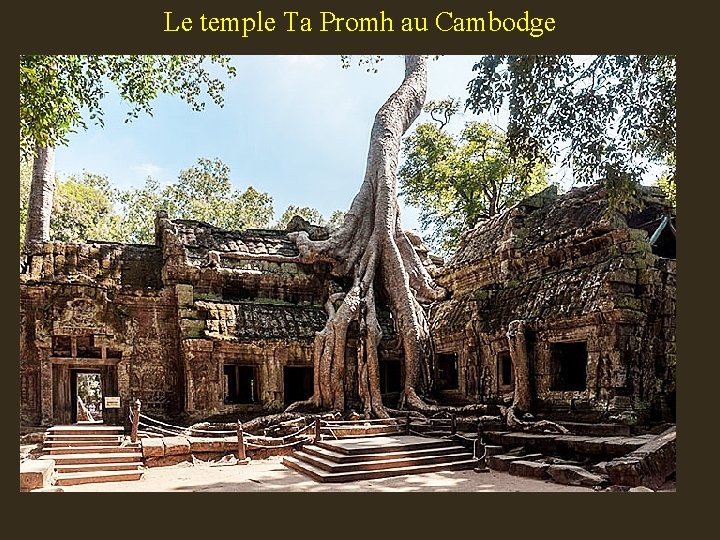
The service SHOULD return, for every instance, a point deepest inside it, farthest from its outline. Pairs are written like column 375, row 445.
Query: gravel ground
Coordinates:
column 270, row 475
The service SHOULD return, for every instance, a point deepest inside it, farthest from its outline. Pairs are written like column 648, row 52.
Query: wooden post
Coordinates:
column 135, row 420
column 479, row 450
column 407, row 423
column 241, row 442
column 318, row 435
column 453, row 424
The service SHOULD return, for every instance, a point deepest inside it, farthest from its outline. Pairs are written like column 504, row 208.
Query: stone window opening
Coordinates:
column 80, row 346
column 240, row 384
column 61, row 346
column 568, row 366
column 447, row 371
column 663, row 239
column 506, row 377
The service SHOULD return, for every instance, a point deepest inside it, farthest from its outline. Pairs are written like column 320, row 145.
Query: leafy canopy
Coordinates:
column 87, row 207
column 56, row 91
column 605, row 118
column 311, row 214
column 203, row 192
column 458, row 181
column 83, row 207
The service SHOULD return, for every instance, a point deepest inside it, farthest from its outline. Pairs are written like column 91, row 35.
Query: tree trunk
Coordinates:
column 37, row 227
column 372, row 249
column 522, row 397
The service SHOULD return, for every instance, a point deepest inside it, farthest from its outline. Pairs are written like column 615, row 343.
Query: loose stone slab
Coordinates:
column 529, row 469
column 152, row 447
column 649, row 465
column 36, row 473
column 502, row 462
column 176, row 446
column 572, row 475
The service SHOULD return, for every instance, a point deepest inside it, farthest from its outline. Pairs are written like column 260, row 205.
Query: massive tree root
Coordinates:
column 522, row 397
column 372, row 249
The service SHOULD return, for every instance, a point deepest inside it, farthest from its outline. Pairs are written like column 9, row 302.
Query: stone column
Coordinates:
column 521, row 365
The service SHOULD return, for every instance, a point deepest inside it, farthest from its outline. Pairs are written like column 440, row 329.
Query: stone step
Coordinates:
column 53, row 450
column 88, row 467
column 381, row 444
column 554, row 444
column 597, row 430
column 77, row 459
column 70, row 479
column 338, row 457
column 358, row 431
column 104, row 441
column 86, row 430
column 320, row 475
column 386, row 462
column 83, row 436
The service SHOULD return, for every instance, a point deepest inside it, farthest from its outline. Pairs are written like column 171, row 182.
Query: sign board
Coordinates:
column 112, row 402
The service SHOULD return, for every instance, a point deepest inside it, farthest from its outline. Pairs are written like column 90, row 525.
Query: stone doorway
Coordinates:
column 65, row 390
column 298, row 384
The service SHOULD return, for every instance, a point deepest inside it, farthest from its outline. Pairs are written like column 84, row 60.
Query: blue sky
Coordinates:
column 296, row 127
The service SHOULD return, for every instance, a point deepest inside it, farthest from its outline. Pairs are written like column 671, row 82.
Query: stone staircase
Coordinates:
column 86, row 454
column 353, row 459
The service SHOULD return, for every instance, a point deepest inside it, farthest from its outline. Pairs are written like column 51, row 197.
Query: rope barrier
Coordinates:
column 179, row 430
column 360, row 421
column 265, row 446
column 159, row 429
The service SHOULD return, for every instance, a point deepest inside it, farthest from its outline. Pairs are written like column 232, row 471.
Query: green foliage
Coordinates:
column 83, row 209
column 605, row 118
column 371, row 61
column 456, row 182
column 89, row 389
column 311, row 214
column 56, row 91
column 87, row 207
column 202, row 192
column 669, row 188
column 138, row 207
column 336, row 219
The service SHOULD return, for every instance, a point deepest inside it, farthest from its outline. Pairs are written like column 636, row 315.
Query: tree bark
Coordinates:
column 372, row 249
column 42, row 187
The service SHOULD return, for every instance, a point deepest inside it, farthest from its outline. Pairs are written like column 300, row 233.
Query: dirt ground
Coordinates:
column 270, row 475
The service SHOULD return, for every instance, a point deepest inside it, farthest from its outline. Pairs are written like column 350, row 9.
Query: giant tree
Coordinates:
column 57, row 91
column 605, row 118
column 372, row 250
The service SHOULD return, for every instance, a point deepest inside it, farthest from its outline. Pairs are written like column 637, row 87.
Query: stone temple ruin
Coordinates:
column 211, row 324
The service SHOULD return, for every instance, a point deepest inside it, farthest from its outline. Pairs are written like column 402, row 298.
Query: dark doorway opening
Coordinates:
column 505, row 369
column 86, row 395
column 447, row 371
column 568, row 366
column 298, row 384
column 390, row 376
column 240, row 384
